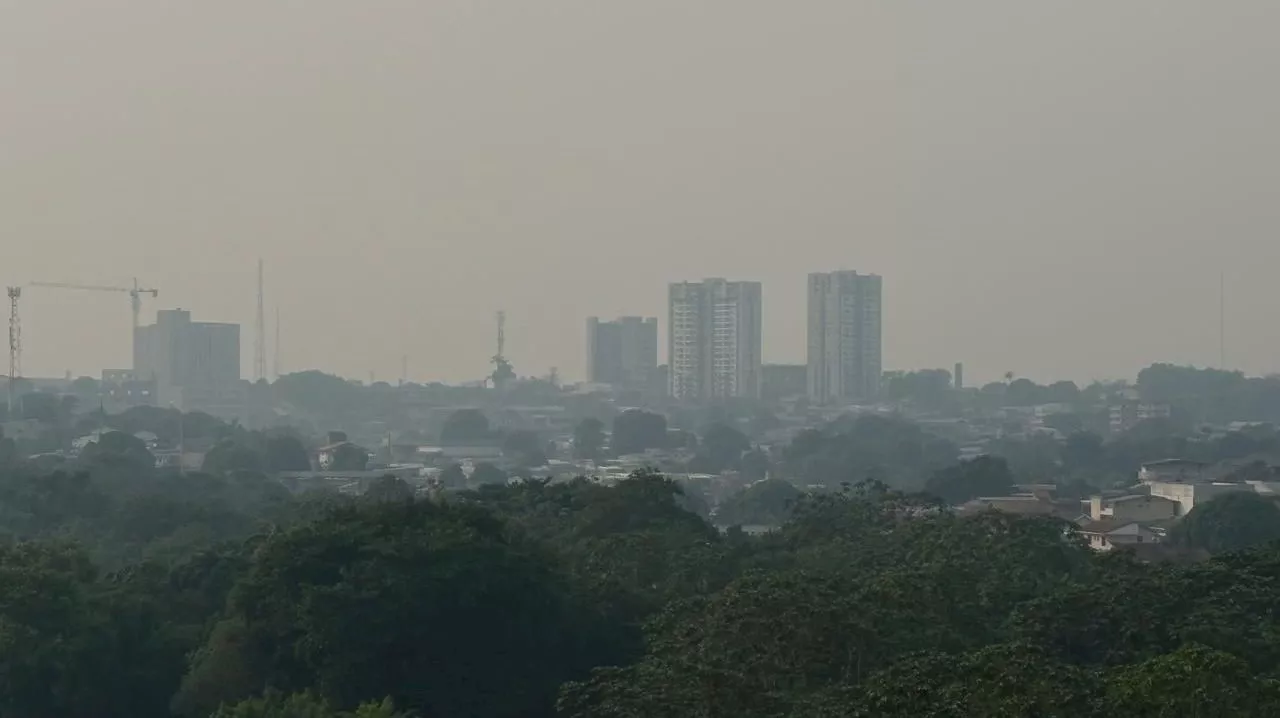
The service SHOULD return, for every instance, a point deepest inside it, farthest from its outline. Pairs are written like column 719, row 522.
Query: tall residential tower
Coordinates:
column 845, row 357
column 714, row 340
column 622, row 353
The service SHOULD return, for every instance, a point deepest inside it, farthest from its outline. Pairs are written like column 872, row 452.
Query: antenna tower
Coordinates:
column 275, row 359
column 502, row 333
column 15, row 347
column 502, row 372
column 260, row 338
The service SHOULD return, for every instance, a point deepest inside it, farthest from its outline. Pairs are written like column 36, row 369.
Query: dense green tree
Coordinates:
column 851, row 450
column 767, row 503
column 721, row 448
column 388, row 489
column 228, row 456
column 485, row 474
column 349, row 457
column 410, row 601
column 117, row 450
column 1229, row 523
column 588, row 439
column 983, row 476
column 1003, row 681
column 928, row 388
column 304, row 705
column 756, row 465
column 453, row 477
column 286, row 453
column 1024, row 392
column 465, row 426
column 1062, row 392
column 86, row 388
column 8, row 452
column 51, row 634
column 1084, row 451
column 1066, row 423
column 40, row 406
column 524, row 447
column 170, row 424
column 318, row 393
column 634, row 431
column 1192, row 681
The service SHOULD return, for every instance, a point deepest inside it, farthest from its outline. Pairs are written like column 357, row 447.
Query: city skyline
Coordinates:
column 796, row 355
column 394, row 217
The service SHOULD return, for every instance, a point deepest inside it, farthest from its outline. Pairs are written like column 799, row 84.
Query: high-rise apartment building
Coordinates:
column 194, row 365
column 714, row 340
column 622, row 353
column 845, row 353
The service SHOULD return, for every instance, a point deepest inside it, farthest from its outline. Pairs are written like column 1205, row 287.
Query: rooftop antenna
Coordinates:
column 15, row 348
column 260, row 333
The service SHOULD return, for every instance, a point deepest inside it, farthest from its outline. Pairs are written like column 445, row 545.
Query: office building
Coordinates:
column 622, row 353
column 714, row 340
column 194, row 366
column 845, row 359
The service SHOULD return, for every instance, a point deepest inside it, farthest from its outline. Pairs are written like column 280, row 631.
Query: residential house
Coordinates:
column 1109, row 534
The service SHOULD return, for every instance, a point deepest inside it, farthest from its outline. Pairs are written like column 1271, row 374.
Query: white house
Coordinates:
column 1107, row 534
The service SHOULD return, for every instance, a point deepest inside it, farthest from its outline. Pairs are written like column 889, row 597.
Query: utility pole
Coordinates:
column 15, row 348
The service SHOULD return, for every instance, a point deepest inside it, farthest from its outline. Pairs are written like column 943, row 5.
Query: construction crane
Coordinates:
column 135, row 294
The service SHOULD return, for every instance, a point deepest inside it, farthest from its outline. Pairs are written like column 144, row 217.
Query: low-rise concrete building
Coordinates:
column 1170, row 470
column 1135, row 507
column 1189, row 495
column 1022, row 505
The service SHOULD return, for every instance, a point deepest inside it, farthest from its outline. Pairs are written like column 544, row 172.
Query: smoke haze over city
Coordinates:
column 1051, row 189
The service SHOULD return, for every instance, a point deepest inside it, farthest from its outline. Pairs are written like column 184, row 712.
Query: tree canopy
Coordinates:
column 128, row 591
column 1229, row 522
column 465, row 426
column 634, row 431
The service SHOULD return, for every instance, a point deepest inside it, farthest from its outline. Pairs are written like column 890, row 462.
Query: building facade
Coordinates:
column 194, row 366
column 845, row 350
column 622, row 353
column 714, row 340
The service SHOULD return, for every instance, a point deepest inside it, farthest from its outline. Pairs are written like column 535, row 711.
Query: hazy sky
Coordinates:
column 1048, row 187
